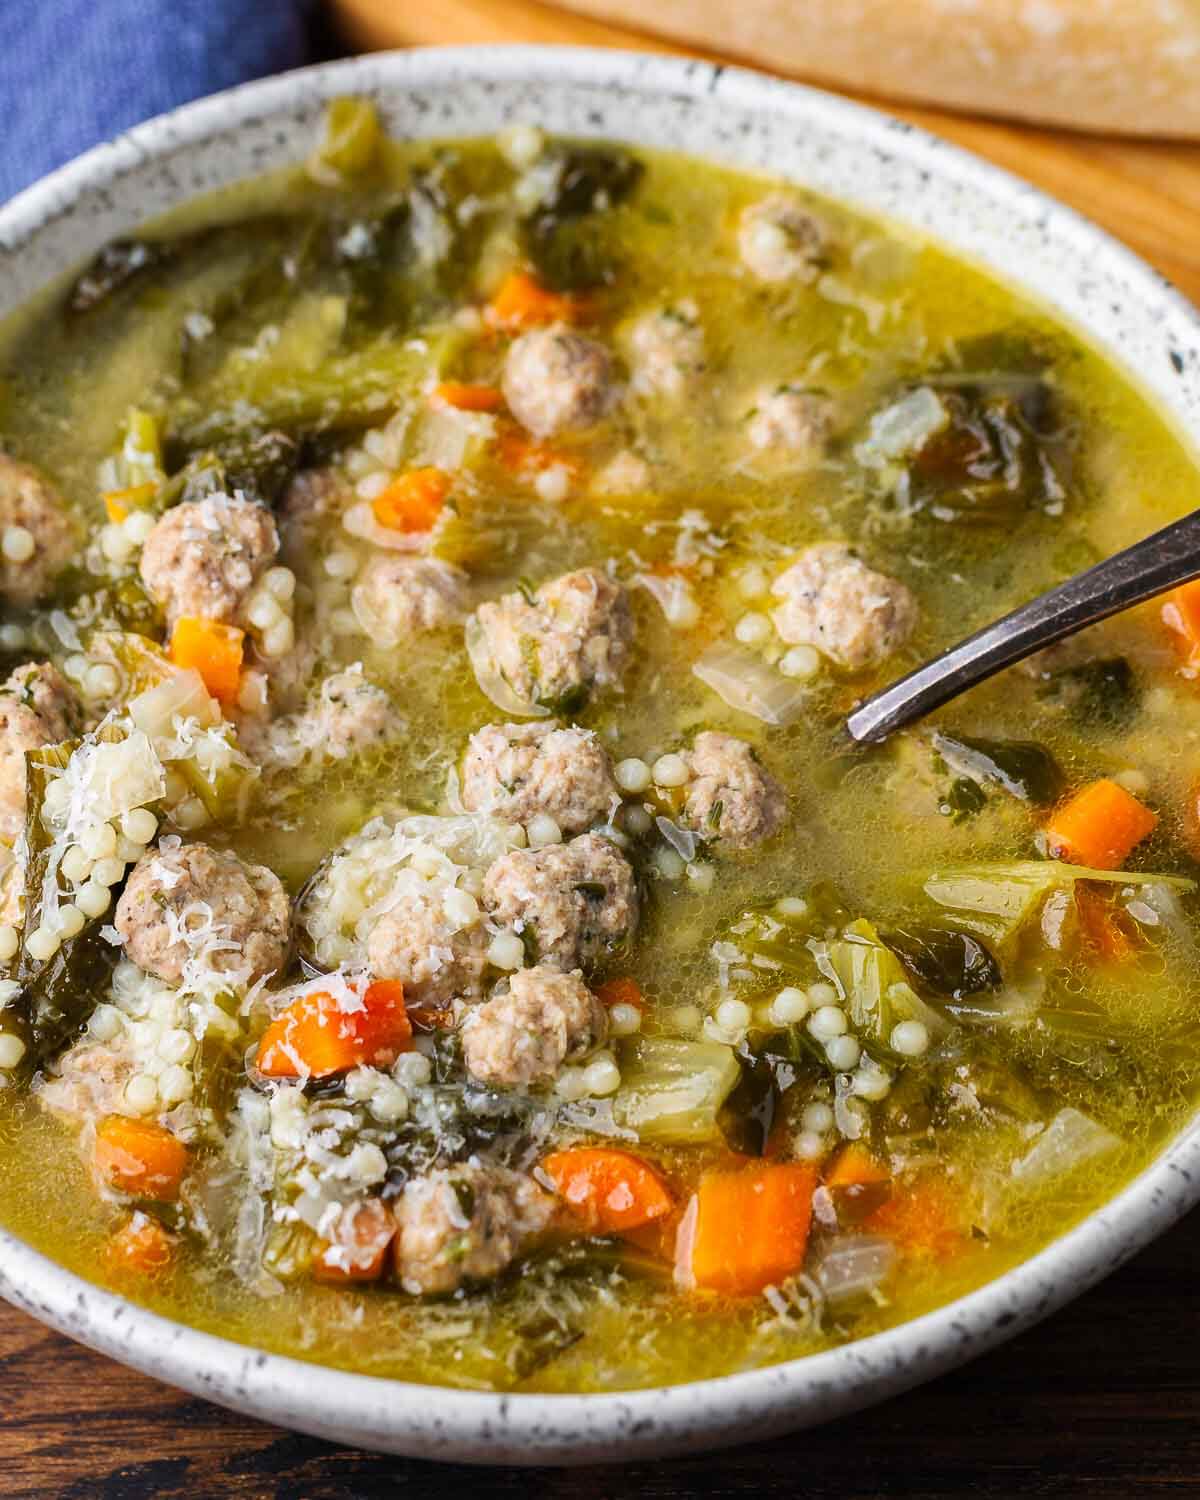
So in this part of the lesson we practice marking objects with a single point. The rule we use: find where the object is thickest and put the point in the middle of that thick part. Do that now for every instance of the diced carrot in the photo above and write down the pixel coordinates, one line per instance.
(212, 649)
(657, 1238)
(622, 991)
(520, 454)
(523, 302)
(1181, 613)
(140, 1158)
(357, 1250)
(315, 1037)
(923, 1218)
(858, 1184)
(1104, 926)
(746, 1229)
(118, 504)
(610, 1191)
(413, 501)
(854, 1166)
(1099, 826)
(464, 397)
(141, 1245)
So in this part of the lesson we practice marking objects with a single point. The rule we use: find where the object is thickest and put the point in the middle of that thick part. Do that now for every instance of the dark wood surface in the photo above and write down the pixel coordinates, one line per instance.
(1102, 1400)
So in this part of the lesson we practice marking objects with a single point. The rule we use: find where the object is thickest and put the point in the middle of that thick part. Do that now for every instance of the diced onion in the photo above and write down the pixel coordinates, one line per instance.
(744, 681)
(854, 1266)
(1070, 1139)
(491, 684)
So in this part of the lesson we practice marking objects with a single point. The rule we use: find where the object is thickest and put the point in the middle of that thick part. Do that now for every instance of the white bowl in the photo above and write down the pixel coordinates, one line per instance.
(874, 163)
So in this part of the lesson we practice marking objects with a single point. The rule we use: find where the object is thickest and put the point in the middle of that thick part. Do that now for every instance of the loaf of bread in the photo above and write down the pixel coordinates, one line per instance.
(1115, 65)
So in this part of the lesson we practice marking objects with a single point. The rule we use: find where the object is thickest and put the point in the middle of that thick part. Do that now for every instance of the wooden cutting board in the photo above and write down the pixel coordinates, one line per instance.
(1146, 193)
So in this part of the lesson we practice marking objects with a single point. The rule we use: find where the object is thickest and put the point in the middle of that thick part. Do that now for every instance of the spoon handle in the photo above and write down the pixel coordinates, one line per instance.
(1157, 563)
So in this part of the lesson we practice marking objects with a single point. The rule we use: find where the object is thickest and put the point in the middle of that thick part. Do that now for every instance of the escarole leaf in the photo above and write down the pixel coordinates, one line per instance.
(997, 900)
(1022, 768)
(873, 985)
(56, 993)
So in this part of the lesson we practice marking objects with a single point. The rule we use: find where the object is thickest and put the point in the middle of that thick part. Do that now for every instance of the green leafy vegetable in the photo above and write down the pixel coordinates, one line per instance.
(947, 962)
(1022, 768)
(1101, 694)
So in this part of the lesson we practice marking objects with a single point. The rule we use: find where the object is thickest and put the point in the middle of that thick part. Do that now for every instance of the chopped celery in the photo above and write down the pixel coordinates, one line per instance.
(672, 1090)
(350, 142)
(136, 469)
(998, 900)
(290, 1251)
(873, 985)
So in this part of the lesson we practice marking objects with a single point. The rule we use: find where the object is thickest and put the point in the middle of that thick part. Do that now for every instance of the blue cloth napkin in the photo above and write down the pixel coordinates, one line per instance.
(76, 72)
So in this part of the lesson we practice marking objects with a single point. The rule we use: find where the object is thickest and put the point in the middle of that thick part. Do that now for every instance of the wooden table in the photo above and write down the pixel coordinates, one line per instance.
(1103, 1400)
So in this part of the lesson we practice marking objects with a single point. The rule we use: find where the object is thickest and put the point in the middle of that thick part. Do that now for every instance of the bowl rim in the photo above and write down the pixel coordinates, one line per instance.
(494, 1427)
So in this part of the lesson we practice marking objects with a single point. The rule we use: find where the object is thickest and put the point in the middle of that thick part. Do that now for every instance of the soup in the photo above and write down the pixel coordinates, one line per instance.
(448, 933)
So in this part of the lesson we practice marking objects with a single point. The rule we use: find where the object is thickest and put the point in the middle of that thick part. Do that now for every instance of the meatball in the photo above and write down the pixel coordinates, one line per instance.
(791, 422)
(42, 537)
(524, 1037)
(730, 796)
(833, 601)
(624, 474)
(309, 500)
(572, 635)
(779, 240)
(465, 1223)
(194, 906)
(515, 771)
(431, 944)
(572, 902)
(36, 709)
(398, 597)
(667, 349)
(350, 714)
(203, 557)
(555, 379)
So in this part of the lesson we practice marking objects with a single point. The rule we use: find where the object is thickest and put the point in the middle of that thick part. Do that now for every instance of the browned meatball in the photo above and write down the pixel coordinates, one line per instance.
(667, 350)
(313, 496)
(203, 557)
(524, 1036)
(436, 950)
(36, 709)
(556, 379)
(348, 715)
(515, 771)
(833, 601)
(731, 798)
(788, 422)
(571, 902)
(779, 240)
(399, 597)
(465, 1223)
(43, 535)
(195, 908)
(573, 635)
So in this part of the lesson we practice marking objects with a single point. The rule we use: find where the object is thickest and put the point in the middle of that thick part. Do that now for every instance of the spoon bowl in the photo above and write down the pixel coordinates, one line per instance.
(1157, 563)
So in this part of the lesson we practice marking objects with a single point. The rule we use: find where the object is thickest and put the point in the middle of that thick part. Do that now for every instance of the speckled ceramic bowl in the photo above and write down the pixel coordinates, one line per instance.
(874, 163)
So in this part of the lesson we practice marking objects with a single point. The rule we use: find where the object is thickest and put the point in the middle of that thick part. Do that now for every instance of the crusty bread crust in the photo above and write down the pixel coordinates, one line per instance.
(1115, 65)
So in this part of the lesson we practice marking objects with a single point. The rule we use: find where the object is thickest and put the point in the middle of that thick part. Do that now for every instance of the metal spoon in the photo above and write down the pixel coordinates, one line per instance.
(1159, 562)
